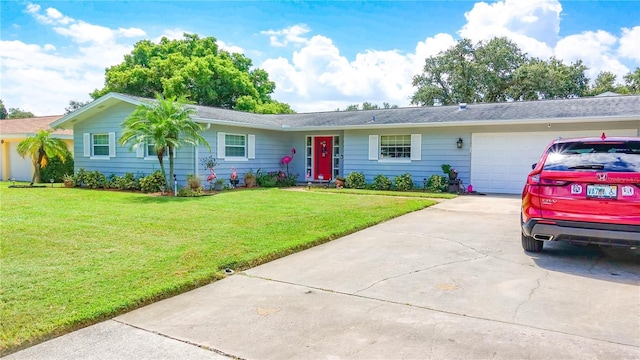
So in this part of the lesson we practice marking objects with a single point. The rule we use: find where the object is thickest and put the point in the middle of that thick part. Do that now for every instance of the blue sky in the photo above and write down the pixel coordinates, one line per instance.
(322, 55)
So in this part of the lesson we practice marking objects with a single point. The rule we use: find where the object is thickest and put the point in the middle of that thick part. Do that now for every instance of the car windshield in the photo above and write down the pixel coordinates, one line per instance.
(615, 156)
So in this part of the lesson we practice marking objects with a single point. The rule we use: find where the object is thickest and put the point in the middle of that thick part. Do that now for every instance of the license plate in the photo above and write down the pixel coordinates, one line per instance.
(602, 191)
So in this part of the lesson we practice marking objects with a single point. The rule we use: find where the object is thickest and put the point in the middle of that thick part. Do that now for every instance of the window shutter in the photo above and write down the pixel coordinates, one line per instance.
(416, 146)
(251, 140)
(86, 142)
(140, 150)
(112, 144)
(221, 144)
(373, 147)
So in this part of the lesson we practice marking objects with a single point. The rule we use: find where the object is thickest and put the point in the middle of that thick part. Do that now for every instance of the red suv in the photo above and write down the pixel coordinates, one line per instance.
(584, 190)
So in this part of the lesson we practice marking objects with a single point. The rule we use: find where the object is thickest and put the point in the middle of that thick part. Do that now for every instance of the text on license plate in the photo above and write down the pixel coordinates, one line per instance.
(602, 191)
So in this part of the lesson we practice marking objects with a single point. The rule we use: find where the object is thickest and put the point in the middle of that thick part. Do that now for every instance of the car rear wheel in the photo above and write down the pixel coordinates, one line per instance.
(530, 244)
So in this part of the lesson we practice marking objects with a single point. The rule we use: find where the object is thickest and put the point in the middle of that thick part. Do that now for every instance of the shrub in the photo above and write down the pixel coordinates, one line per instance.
(381, 182)
(55, 169)
(194, 182)
(127, 182)
(404, 182)
(153, 183)
(276, 178)
(80, 176)
(189, 192)
(437, 183)
(95, 180)
(355, 180)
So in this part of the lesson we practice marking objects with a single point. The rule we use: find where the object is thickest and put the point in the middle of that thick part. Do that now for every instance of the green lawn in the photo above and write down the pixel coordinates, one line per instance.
(73, 257)
(420, 194)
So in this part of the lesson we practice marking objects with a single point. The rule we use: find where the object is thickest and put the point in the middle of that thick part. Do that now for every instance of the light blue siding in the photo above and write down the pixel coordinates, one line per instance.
(125, 159)
(438, 146)
(270, 147)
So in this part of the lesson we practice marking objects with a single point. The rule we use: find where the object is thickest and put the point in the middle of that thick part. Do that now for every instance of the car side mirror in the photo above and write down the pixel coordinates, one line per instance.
(533, 166)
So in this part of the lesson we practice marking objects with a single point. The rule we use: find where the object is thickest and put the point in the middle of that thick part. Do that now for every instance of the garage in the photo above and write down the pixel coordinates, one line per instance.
(500, 162)
(19, 168)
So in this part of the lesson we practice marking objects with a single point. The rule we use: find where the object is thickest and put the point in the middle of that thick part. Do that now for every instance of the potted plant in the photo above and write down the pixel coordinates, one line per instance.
(69, 180)
(340, 182)
(250, 178)
(219, 185)
(451, 172)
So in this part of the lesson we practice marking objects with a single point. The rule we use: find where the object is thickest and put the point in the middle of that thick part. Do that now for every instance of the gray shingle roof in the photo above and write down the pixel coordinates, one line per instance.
(624, 106)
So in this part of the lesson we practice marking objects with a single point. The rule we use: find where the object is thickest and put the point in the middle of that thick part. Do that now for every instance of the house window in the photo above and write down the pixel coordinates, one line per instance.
(151, 151)
(100, 145)
(395, 146)
(235, 145)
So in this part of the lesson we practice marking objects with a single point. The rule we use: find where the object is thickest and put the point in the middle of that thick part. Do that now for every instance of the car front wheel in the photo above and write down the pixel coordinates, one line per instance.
(530, 244)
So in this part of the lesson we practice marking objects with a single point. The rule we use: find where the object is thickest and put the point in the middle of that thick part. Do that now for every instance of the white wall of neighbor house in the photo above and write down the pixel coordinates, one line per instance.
(501, 159)
(19, 168)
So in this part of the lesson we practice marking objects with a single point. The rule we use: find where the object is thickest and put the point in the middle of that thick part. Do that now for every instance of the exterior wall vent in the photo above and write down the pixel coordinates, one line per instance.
(462, 106)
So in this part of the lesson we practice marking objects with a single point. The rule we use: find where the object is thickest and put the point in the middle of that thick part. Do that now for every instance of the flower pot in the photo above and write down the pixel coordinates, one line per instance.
(250, 182)
(453, 176)
(234, 182)
(218, 186)
(339, 183)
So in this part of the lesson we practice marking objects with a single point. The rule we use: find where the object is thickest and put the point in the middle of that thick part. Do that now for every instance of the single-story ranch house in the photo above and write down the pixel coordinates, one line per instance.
(12, 132)
(491, 145)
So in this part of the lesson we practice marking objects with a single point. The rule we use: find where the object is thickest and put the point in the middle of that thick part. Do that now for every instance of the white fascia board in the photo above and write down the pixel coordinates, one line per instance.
(467, 123)
(204, 121)
(26, 135)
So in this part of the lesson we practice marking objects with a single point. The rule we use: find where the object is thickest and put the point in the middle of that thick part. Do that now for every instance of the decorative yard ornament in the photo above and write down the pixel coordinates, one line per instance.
(287, 159)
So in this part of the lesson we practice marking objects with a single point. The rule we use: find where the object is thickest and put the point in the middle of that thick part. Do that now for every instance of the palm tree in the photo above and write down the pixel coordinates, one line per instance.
(41, 147)
(167, 124)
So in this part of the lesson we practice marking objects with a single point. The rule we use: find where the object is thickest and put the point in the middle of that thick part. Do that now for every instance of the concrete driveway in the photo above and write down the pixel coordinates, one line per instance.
(446, 282)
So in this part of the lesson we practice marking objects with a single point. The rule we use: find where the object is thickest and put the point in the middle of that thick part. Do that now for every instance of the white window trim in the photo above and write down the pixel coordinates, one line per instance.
(375, 150)
(249, 148)
(146, 156)
(88, 145)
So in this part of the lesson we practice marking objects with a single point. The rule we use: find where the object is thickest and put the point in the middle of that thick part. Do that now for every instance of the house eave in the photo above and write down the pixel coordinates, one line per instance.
(27, 134)
(206, 121)
(474, 123)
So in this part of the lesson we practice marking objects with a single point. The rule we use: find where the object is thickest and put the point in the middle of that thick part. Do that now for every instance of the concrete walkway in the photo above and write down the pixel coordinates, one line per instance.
(447, 282)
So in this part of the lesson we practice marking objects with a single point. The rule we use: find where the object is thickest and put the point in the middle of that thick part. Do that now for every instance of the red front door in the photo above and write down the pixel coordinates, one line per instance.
(323, 157)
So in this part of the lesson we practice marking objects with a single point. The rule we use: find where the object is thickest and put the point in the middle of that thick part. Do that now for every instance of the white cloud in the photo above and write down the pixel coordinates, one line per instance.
(319, 78)
(292, 34)
(41, 80)
(630, 43)
(532, 24)
(595, 49)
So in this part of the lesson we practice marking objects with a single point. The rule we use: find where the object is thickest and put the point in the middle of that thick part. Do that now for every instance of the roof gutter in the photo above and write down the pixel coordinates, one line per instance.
(464, 123)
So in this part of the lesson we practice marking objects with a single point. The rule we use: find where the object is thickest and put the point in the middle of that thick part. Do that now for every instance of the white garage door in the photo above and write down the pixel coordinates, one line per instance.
(19, 168)
(500, 162)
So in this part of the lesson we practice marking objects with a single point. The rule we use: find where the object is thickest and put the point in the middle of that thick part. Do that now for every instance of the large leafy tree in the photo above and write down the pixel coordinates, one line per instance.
(632, 81)
(40, 148)
(165, 123)
(197, 69)
(494, 71)
(3, 111)
(468, 73)
(17, 113)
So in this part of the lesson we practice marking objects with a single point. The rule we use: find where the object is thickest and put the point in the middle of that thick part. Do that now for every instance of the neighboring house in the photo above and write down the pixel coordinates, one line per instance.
(12, 132)
(491, 145)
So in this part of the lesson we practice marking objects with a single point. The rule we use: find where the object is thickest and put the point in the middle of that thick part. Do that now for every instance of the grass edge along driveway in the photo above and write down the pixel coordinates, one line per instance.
(74, 257)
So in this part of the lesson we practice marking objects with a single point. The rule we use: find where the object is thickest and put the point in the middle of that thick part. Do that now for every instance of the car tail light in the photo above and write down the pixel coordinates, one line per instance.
(553, 182)
(533, 179)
